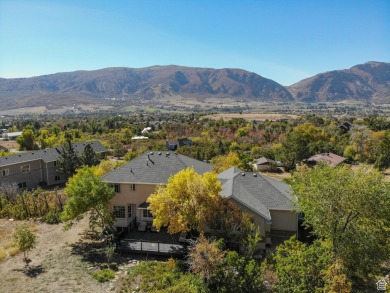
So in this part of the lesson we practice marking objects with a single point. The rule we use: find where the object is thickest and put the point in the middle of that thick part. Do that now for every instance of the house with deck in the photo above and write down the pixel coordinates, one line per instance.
(266, 199)
(38, 168)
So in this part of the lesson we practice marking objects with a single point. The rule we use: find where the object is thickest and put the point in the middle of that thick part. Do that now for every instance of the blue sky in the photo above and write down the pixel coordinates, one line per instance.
(282, 40)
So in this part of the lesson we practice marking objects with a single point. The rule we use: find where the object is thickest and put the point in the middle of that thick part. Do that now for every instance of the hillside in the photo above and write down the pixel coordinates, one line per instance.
(369, 82)
(145, 83)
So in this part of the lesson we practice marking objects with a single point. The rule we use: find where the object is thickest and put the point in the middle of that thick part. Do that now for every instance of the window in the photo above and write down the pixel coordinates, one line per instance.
(132, 187)
(117, 187)
(5, 172)
(25, 169)
(119, 212)
(129, 211)
(22, 185)
(57, 178)
(147, 214)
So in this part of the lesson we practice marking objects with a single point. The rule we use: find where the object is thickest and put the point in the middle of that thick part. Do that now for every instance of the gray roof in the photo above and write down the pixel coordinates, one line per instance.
(154, 168)
(48, 155)
(264, 160)
(255, 191)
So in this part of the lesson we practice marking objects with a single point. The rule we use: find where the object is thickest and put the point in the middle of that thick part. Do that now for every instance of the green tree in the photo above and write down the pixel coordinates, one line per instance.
(25, 240)
(184, 203)
(302, 268)
(89, 157)
(68, 160)
(86, 192)
(350, 210)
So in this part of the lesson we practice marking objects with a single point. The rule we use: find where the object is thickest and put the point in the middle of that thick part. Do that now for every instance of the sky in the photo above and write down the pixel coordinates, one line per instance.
(283, 40)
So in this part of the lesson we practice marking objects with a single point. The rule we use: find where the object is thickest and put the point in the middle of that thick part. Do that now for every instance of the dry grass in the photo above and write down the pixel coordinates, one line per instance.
(3, 254)
(252, 116)
(12, 251)
(9, 243)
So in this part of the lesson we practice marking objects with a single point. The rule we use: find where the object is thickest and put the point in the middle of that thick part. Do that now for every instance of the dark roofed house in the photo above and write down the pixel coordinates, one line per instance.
(268, 200)
(327, 158)
(33, 168)
(139, 178)
(174, 145)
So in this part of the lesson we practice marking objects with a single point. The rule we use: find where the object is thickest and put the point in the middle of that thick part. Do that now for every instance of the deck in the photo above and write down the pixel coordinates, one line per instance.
(161, 243)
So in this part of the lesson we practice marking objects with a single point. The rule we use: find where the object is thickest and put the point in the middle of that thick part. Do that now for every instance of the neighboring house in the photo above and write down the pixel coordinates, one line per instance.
(138, 179)
(34, 168)
(268, 200)
(345, 127)
(174, 145)
(327, 158)
(11, 135)
(146, 130)
(265, 164)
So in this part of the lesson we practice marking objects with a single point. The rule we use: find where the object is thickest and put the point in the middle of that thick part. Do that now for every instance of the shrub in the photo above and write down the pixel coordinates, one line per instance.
(104, 275)
(3, 254)
(52, 217)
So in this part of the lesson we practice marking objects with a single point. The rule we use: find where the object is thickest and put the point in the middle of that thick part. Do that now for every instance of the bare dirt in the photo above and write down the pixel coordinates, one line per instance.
(62, 261)
(252, 116)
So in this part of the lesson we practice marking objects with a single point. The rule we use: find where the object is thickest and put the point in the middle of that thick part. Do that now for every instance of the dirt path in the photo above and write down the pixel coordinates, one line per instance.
(58, 261)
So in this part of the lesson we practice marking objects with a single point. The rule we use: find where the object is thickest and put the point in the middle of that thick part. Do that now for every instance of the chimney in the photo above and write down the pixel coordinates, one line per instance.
(242, 174)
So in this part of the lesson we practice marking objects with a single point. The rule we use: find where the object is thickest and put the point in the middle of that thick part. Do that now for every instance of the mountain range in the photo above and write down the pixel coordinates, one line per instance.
(369, 82)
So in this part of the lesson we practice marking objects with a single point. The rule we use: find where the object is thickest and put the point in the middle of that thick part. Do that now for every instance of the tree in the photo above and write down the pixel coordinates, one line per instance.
(86, 192)
(89, 157)
(206, 259)
(350, 210)
(68, 160)
(183, 204)
(222, 163)
(27, 141)
(25, 239)
(302, 268)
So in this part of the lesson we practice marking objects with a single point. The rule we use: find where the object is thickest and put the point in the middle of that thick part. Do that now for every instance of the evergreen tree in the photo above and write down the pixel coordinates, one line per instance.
(68, 161)
(89, 157)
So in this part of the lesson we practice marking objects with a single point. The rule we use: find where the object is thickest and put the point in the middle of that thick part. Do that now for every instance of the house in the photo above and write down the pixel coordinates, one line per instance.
(327, 158)
(345, 127)
(265, 164)
(174, 145)
(34, 168)
(139, 178)
(146, 130)
(11, 135)
(267, 199)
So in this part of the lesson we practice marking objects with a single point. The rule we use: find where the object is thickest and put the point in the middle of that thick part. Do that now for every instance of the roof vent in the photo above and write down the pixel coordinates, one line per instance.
(167, 154)
(242, 174)
(20, 156)
(159, 153)
(131, 170)
(151, 153)
(254, 175)
(147, 162)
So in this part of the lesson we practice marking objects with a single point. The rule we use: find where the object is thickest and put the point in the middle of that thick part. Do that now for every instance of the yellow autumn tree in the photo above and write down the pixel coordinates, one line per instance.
(222, 163)
(182, 205)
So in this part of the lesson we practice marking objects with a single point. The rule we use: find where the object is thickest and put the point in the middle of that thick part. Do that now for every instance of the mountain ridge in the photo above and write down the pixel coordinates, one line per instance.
(368, 82)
